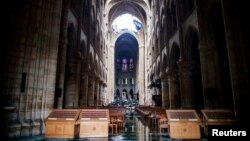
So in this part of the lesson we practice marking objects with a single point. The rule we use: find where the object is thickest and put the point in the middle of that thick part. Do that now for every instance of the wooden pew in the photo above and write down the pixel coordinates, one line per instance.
(94, 123)
(151, 116)
(145, 112)
(219, 117)
(162, 123)
(62, 123)
(183, 124)
(117, 118)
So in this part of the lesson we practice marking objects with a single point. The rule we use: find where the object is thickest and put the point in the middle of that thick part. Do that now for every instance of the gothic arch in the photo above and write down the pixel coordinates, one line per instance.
(190, 35)
(152, 76)
(158, 66)
(131, 92)
(124, 32)
(136, 8)
(154, 69)
(164, 59)
(174, 56)
(83, 50)
(157, 36)
(97, 65)
(91, 58)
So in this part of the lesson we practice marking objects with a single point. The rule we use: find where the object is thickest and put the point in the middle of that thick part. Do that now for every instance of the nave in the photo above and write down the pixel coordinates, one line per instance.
(72, 54)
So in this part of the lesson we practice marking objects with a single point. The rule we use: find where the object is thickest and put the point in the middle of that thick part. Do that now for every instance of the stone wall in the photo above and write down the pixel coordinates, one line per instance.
(30, 66)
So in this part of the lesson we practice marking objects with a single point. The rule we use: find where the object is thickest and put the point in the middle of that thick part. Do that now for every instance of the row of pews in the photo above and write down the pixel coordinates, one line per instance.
(86, 122)
(186, 124)
(117, 119)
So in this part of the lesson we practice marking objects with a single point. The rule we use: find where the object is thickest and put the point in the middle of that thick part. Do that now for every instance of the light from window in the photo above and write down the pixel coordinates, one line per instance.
(124, 65)
(126, 22)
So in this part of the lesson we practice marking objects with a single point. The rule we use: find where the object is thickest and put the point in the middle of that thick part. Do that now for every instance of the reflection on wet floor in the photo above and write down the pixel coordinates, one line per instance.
(138, 129)
(134, 129)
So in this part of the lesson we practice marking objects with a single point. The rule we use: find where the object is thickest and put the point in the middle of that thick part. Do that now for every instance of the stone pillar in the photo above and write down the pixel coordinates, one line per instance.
(174, 94)
(61, 60)
(60, 75)
(97, 92)
(164, 90)
(152, 92)
(209, 72)
(104, 95)
(71, 90)
(91, 91)
(186, 85)
(237, 35)
(84, 90)
(101, 98)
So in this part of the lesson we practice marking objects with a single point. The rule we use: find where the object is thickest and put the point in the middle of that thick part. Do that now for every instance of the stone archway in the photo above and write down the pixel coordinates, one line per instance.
(117, 94)
(124, 95)
(131, 94)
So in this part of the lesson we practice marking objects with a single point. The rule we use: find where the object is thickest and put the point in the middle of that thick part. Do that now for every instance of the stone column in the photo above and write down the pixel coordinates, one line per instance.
(104, 95)
(101, 98)
(164, 90)
(84, 90)
(61, 60)
(209, 72)
(91, 91)
(96, 94)
(71, 90)
(60, 75)
(237, 35)
(186, 85)
(173, 90)
(152, 92)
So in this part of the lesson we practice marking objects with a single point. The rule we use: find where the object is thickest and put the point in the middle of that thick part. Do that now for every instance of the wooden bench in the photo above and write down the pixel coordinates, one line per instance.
(162, 123)
(183, 124)
(94, 123)
(62, 123)
(117, 116)
(219, 117)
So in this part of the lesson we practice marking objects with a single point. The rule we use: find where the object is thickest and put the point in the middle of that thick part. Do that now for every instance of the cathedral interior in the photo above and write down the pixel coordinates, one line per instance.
(72, 54)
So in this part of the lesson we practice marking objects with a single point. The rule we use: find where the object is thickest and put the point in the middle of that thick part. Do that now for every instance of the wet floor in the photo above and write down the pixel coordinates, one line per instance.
(135, 129)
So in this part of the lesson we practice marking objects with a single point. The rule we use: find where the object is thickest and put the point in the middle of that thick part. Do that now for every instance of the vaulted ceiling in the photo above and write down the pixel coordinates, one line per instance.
(138, 8)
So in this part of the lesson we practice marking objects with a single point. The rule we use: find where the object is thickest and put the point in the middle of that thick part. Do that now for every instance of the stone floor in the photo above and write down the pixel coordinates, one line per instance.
(134, 130)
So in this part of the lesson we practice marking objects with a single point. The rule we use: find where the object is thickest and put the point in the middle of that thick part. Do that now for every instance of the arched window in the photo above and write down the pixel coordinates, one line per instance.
(117, 64)
(130, 81)
(131, 64)
(123, 81)
(124, 65)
